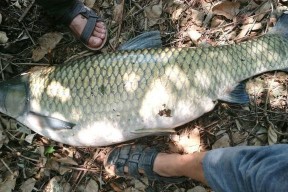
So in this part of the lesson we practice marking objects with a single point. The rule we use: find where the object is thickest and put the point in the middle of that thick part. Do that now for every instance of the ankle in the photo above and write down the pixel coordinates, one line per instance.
(168, 165)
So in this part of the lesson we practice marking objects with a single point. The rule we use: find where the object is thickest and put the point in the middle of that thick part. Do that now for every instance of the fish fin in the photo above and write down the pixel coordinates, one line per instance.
(281, 25)
(151, 39)
(51, 122)
(238, 95)
(155, 130)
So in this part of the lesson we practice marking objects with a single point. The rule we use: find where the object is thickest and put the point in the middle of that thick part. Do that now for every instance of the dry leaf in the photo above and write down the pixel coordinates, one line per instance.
(227, 9)
(197, 189)
(176, 13)
(262, 11)
(38, 53)
(67, 160)
(187, 141)
(29, 138)
(224, 141)
(8, 184)
(92, 186)
(3, 37)
(153, 13)
(28, 185)
(194, 35)
(50, 40)
(118, 11)
(249, 27)
(90, 3)
(46, 43)
(0, 18)
(53, 185)
(3, 138)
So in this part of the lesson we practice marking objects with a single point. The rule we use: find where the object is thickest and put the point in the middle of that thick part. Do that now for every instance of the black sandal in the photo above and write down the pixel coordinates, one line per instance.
(136, 157)
(92, 19)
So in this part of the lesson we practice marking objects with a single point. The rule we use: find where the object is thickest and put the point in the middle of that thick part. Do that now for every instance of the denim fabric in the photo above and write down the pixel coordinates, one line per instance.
(247, 169)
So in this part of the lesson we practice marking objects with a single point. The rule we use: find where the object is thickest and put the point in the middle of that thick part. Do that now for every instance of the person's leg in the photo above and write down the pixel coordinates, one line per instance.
(227, 169)
(190, 165)
(57, 9)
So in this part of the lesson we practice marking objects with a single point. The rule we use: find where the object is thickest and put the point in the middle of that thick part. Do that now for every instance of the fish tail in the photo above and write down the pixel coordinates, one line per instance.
(281, 26)
(13, 97)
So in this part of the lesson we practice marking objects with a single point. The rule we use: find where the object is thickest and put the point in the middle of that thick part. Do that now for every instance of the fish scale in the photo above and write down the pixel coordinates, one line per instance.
(115, 97)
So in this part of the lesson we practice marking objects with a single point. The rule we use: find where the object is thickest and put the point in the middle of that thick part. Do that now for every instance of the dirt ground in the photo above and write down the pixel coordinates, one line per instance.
(30, 162)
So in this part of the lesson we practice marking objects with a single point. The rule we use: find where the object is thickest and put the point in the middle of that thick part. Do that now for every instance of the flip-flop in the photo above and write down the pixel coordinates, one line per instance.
(92, 19)
(136, 158)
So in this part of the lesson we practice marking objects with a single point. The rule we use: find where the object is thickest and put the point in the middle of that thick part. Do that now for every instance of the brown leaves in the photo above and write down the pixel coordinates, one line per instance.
(46, 43)
(227, 9)
(153, 13)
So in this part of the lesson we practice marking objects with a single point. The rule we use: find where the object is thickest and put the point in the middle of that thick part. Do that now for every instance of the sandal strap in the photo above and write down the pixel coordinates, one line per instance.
(79, 8)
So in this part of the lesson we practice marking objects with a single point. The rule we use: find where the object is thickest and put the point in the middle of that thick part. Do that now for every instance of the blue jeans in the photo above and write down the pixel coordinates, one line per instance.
(246, 169)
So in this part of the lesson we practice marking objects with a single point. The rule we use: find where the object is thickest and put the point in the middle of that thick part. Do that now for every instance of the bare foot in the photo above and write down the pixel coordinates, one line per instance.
(98, 36)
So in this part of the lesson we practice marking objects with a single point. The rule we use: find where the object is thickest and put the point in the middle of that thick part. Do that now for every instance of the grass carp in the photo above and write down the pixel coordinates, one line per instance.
(115, 97)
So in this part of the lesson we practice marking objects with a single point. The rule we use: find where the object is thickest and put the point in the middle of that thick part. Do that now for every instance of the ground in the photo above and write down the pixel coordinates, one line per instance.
(30, 162)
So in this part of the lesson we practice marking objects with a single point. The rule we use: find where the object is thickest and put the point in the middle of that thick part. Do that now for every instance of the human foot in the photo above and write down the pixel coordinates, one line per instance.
(85, 25)
(134, 161)
(98, 36)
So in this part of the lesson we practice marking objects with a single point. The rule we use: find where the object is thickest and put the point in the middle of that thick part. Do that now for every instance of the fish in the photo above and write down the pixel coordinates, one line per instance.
(115, 97)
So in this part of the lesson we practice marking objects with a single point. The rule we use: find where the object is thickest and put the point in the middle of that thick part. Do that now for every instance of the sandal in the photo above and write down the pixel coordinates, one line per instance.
(92, 19)
(136, 158)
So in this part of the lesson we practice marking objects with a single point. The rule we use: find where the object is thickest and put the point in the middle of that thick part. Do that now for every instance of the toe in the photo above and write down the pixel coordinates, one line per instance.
(95, 42)
(99, 35)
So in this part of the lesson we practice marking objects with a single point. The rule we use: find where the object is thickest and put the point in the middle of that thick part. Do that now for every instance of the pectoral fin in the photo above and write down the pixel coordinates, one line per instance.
(50, 122)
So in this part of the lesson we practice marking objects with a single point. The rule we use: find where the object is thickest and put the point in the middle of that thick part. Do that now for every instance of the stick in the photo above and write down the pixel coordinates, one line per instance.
(26, 11)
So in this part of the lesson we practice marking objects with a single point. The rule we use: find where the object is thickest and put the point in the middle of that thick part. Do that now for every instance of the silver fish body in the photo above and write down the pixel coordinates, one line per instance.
(111, 98)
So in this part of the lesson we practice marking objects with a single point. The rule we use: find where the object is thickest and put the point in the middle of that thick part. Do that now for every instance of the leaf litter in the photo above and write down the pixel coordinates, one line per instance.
(30, 162)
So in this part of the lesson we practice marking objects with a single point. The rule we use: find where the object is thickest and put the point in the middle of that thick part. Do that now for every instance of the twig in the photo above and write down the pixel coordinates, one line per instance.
(26, 11)
(3, 77)
(7, 166)
(27, 32)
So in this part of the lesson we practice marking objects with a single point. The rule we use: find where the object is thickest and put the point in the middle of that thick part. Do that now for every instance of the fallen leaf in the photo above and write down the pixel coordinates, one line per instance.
(28, 185)
(50, 40)
(0, 18)
(194, 35)
(263, 10)
(224, 141)
(187, 141)
(118, 11)
(3, 37)
(90, 3)
(92, 186)
(197, 189)
(3, 138)
(53, 185)
(8, 184)
(29, 138)
(227, 9)
(46, 43)
(38, 53)
(153, 13)
(176, 13)
(67, 160)
(141, 185)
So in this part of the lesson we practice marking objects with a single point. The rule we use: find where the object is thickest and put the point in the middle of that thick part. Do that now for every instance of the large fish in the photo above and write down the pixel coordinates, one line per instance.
(115, 97)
